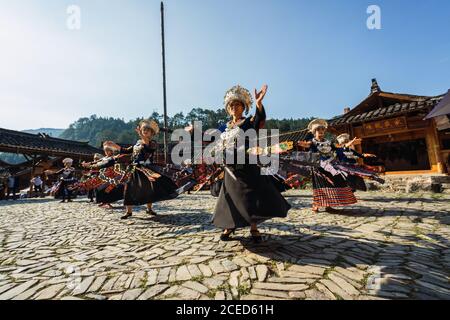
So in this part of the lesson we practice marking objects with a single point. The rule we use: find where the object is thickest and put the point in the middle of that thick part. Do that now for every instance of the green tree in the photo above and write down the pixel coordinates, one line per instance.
(98, 129)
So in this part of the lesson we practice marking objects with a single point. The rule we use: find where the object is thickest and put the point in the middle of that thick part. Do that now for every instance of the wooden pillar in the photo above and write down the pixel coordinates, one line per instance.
(354, 134)
(434, 149)
(437, 147)
(32, 174)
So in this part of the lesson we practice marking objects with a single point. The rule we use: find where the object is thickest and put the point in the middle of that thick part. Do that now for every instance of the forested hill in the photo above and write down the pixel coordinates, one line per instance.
(97, 129)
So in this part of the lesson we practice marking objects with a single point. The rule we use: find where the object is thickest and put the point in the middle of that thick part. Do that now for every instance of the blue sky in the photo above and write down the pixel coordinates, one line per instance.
(316, 56)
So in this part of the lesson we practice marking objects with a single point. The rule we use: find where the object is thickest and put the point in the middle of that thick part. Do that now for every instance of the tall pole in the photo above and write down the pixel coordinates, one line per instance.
(166, 147)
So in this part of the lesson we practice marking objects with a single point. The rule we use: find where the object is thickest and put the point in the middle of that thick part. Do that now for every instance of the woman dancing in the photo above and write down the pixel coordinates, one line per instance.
(330, 188)
(66, 181)
(142, 184)
(107, 185)
(348, 159)
(92, 174)
(246, 197)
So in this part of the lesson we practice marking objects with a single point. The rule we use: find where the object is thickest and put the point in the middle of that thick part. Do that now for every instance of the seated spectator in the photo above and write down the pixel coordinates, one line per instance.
(37, 184)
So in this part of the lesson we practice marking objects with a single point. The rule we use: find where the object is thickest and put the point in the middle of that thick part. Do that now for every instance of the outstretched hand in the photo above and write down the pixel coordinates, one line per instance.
(49, 172)
(112, 145)
(304, 144)
(354, 142)
(259, 96)
(369, 155)
(189, 128)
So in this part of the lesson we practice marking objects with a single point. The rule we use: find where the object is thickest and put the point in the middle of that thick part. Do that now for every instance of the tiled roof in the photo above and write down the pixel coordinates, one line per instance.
(298, 135)
(20, 142)
(294, 135)
(386, 112)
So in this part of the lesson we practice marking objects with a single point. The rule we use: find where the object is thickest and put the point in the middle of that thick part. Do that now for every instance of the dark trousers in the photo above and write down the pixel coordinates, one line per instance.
(91, 195)
(66, 193)
(38, 189)
(13, 191)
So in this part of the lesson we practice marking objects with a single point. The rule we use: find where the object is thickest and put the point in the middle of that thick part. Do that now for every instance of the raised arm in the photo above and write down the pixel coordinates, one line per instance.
(104, 163)
(87, 165)
(307, 142)
(128, 150)
(60, 171)
(357, 154)
(259, 119)
(354, 142)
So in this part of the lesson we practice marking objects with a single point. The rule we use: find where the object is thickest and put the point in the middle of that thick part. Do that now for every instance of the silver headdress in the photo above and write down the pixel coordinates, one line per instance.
(343, 138)
(67, 160)
(317, 123)
(150, 124)
(240, 94)
(154, 127)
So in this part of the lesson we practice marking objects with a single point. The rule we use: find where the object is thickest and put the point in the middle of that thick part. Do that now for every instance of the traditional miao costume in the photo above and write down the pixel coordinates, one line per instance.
(108, 183)
(89, 176)
(67, 182)
(330, 188)
(349, 157)
(246, 196)
(143, 185)
(348, 161)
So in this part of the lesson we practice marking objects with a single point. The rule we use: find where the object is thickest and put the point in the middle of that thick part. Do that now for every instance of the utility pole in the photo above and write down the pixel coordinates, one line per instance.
(166, 143)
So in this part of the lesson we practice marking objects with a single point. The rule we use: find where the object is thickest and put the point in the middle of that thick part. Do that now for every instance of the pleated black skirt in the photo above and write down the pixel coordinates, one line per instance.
(116, 194)
(65, 188)
(250, 198)
(215, 188)
(356, 183)
(141, 190)
(278, 183)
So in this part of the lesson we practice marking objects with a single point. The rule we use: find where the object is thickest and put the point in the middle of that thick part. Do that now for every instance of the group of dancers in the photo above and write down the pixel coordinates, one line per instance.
(245, 196)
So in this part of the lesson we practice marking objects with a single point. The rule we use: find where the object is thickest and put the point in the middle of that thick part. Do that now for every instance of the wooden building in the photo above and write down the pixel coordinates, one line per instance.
(393, 126)
(41, 152)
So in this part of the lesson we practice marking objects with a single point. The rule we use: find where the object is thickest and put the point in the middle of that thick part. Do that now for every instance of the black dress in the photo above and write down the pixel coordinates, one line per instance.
(109, 196)
(111, 190)
(246, 196)
(350, 156)
(330, 188)
(144, 185)
(215, 188)
(66, 183)
(92, 192)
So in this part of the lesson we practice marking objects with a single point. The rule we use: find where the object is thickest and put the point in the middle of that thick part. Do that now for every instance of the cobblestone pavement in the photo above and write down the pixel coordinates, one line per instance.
(388, 246)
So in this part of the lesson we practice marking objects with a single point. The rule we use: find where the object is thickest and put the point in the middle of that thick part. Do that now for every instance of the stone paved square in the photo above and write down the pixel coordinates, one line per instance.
(388, 246)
